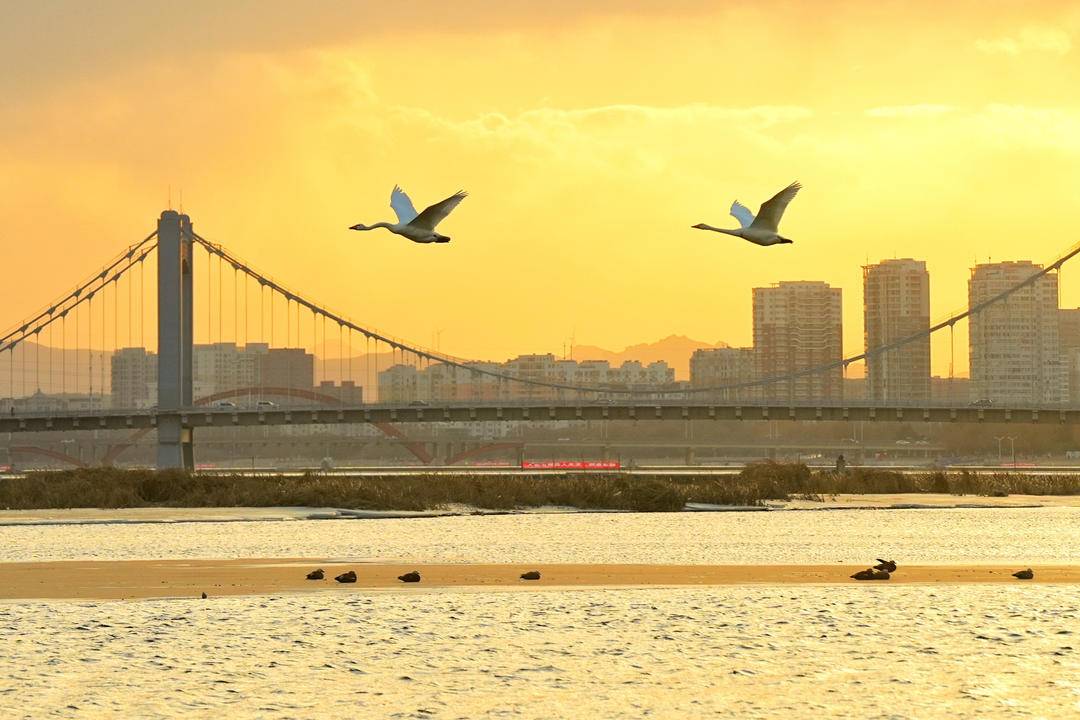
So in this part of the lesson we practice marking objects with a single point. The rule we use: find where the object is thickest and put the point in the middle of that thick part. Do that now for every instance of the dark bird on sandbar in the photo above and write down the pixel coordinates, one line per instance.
(1024, 574)
(204, 596)
(886, 565)
(410, 577)
(316, 574)
(346, 577)
(531, 575)
(871, 574)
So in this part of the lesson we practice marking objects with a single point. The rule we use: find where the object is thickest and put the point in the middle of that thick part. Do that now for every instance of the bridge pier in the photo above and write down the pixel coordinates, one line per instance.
(175, 338)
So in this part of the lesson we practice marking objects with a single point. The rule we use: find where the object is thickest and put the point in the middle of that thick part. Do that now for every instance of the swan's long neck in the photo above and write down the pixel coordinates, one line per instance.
(376, 226)
(736, 233)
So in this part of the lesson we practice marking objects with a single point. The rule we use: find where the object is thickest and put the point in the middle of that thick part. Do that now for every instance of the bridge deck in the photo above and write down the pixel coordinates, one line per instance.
(457, 413)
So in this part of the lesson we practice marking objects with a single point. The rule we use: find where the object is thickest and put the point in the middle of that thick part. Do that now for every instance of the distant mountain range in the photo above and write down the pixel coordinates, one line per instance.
(675, 350)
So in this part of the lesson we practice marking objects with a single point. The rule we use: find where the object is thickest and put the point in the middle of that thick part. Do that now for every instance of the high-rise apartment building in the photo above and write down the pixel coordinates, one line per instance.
(1014, 344)
(798, 325)
(1069, 339)
(222, 367)
(285, 367)
(896, 305)
(133, 372)
(720, 367)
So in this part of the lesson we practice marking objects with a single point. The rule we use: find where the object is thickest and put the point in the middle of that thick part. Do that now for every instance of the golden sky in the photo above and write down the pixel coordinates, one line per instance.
(590, 139)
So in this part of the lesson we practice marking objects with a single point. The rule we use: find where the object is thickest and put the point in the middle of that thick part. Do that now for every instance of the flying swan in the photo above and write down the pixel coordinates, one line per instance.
(420, 228)
(763, 229)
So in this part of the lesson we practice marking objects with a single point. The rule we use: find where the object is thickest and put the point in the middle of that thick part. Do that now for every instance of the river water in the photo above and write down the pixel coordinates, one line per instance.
(879, 651)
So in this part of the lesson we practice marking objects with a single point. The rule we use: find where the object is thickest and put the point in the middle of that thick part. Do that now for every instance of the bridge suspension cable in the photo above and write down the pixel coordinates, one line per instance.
(79, 301)
(49, 314)
(431, 356)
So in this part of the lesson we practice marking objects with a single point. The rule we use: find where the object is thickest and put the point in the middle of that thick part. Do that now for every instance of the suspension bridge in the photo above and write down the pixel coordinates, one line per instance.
(66, 348)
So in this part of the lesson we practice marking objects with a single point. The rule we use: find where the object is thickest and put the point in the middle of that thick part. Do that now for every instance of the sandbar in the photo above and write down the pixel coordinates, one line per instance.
(139, 579)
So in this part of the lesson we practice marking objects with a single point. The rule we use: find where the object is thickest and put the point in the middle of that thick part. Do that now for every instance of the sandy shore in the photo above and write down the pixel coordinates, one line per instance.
(135, 579)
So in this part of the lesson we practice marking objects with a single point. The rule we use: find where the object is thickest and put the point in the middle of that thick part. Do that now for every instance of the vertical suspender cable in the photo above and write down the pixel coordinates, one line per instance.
(220, 298)
(262, 330)
(292, 329)
(142, 301)
(104, 307)
(90, 345)
(130, 282)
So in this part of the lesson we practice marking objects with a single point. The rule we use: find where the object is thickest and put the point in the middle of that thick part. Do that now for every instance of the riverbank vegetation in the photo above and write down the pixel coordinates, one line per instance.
(757, 483)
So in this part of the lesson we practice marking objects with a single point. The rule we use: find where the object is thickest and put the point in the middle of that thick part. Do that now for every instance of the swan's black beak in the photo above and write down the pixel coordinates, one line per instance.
(699, 226)
(785, 241)
(356, 227)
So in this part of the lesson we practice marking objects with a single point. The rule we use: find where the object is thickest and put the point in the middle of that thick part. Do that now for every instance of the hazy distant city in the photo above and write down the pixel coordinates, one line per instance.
(1025, 350)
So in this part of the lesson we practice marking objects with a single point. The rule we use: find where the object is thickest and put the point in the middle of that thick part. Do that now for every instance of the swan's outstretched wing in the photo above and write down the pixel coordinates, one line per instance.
(742, 213)
(768, 217)
(435, 214)
(402, 205)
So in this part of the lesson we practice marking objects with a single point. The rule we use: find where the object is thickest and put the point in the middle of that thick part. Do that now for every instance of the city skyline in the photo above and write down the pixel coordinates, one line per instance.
(212, 327)
(1032, 354)
(882, 322)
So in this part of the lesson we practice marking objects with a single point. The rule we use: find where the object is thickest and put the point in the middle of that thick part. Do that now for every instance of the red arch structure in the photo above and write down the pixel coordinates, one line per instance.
(418, 449)
(45, 452)
(114, 451)
(273, 392)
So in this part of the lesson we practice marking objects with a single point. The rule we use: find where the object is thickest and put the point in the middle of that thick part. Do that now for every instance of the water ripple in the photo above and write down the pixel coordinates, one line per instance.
(902, 651)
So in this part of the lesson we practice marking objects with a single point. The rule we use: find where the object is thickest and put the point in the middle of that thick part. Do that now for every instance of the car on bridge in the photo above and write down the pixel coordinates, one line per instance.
(225, 404)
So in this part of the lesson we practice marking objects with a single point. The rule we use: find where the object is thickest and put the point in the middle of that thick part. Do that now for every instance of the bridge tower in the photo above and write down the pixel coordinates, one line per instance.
(175, 340)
